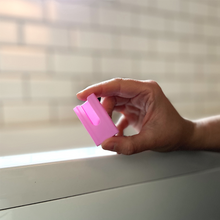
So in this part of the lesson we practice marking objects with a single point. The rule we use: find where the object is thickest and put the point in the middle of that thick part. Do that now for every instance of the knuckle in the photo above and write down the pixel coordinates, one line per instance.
(155, 87)
(154, 84)
(130, 149)
(117, 79)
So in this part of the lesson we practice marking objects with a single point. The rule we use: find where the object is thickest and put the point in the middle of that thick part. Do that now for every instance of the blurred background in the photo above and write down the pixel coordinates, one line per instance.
(51, 49)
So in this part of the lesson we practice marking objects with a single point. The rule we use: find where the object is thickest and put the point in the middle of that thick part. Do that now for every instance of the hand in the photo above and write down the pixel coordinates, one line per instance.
(144, 106)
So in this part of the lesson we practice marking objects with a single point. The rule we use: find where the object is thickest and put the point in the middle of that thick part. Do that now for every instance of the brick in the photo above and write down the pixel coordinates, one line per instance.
(213, 10)
(71, 63)
(198, 8)
(212, 49)
(22, 59)
(134, 43)
(213, 90)
(10, 88)
(197, 48)
(152, 23)
(91, 39)
(198, 88)
(23, 113)
(184, 47)
(22, 8)
(186, 110)
(200, 111)
(151, 68)
(116, 67)
(211, 30)
(172, 90)
(184, 27)
(185, 68)
(65, 112)
(50, 88)
(171, 5)
(8, 32)
(212, 108)
(114, 18)
(65, 12)
(1, 116)
(168, 46)
(49, 36)
(211, 68)
(136, 3)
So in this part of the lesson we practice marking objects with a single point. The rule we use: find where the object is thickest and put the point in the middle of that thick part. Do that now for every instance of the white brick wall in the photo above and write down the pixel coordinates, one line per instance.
(22, 8)
(22, 59)
(211, 30)
(199, 48)
(184, 68)
(97, 40)
(26, 113)
(67, 12)
(211, 69)
(152, 22)
(65, 112)
(8, 32)
(134, 43)
(50, 49)
(48, 87)
(115, 18)
(170, 5)
(73, 64)
(45, 36)
(136, 3)
(184, 27)
(150, 68)
(116, 67)
(168, 46)
(198, 8)
(171, 89)
(211, 108)
(10, 88)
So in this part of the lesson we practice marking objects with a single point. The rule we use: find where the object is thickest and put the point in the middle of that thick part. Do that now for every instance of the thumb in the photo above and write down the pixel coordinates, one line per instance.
(127, 145)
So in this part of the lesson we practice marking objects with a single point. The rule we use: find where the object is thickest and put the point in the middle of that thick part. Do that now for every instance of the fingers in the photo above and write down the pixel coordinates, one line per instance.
(121, 125)
(111, 103)
(127, 145)
(127, 88)
(108, 103)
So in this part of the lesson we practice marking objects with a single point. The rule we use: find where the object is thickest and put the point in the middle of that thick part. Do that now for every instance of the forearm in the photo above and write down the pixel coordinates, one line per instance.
(205, 134)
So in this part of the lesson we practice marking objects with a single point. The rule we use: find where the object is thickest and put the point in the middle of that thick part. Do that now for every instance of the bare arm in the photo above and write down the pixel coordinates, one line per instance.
(206, 134)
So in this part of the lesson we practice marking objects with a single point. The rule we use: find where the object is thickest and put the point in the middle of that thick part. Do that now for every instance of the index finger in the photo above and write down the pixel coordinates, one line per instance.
(127, 88)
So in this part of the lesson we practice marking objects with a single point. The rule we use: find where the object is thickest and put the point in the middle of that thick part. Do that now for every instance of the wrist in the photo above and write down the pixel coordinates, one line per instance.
(189, 135)
(194, 135)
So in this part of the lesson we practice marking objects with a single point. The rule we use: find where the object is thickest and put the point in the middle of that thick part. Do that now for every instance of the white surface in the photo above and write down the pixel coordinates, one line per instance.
(26, 185)
(195, 196)
(52, 156)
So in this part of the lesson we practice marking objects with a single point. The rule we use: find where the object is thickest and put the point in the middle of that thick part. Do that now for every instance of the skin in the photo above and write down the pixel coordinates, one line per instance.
(160, 127)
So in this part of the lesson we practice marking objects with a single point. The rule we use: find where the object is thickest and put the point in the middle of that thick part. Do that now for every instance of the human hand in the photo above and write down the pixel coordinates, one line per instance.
(144, 106)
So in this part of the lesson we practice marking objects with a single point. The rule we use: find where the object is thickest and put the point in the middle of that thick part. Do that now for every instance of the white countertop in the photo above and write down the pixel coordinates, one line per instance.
(32, 184)
(103, 184)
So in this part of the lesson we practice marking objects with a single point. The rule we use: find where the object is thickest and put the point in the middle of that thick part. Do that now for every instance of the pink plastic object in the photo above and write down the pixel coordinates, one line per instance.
(96, 120)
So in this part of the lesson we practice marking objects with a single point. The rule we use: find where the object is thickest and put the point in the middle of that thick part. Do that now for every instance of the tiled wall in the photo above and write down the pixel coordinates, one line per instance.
(51, 49)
